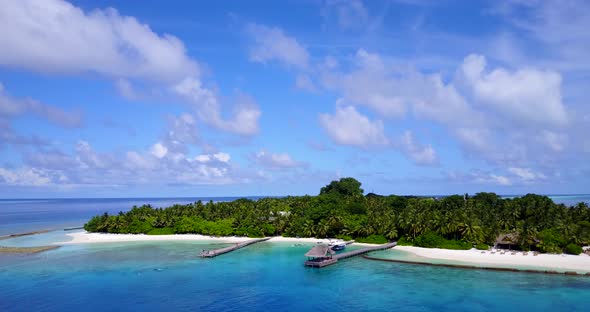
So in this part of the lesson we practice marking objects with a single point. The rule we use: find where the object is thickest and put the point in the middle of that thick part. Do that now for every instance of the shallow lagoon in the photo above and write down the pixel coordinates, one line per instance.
(268, 276)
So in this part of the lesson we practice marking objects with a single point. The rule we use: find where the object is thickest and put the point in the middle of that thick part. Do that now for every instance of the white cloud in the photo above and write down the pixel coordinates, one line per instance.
(503, 116)
(222, 157)
(159, 150)
(180, 132)
(420, 154)
(276, 160)
(56, 36)
(479, 177)
(24, 177)
(86, 167)
(525, 94)
(527, 174)
(244, 119)
(370, 84)
(349, 127)
(203, 158)
(272, 44)
(500, 180)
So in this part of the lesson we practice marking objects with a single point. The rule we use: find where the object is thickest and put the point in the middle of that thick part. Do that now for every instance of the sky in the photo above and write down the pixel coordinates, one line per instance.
(241, 98)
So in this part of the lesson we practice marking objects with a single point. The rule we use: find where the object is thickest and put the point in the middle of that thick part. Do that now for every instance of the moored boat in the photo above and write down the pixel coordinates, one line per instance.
(337, 245)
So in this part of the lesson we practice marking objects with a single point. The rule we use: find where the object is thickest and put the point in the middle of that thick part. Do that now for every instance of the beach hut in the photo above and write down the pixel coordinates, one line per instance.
(507, 241)
(319, 256)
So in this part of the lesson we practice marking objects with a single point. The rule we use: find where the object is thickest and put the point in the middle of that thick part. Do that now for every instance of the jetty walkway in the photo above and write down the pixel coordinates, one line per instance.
(224, 250)
(322, 261)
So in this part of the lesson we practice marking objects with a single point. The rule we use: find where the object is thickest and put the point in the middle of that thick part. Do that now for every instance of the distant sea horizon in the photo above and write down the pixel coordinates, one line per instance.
(18, 215)
(203, 198)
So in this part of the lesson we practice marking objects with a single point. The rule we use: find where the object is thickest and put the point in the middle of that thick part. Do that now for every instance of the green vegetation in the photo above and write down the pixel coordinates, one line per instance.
(573, 249)
(433, 240)
(482, 247)
(341, 210)
(161, 231)
(372, 239)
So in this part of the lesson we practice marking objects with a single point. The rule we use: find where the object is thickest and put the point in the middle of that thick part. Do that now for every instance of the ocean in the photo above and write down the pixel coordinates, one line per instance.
(156, 276)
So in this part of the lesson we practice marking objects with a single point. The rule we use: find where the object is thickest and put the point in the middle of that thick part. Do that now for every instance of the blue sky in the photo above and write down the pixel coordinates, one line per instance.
(233, 98)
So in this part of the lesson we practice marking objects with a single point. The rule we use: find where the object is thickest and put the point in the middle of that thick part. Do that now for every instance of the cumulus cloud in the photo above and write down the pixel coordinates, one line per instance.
(479, 177)
(272, 44)
(58, 37)
(159, 150)
(526, 94)
(369, 83)
(87, 167)
(504, 116)
(420, 154)
(349, 127)
(270, 160)
(24, 177)
(180, 132)
(527, 174)
(245, 115)
(65, 39)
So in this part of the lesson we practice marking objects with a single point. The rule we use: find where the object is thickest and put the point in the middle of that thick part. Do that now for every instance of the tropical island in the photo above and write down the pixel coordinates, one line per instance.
(341, 210)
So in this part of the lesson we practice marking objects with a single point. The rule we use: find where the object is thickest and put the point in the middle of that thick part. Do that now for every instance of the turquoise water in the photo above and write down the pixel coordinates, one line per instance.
(156, 276)
(267, 276)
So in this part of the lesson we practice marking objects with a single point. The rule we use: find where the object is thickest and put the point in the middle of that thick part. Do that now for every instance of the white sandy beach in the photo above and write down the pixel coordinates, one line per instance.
(562, 262)
(86, 238)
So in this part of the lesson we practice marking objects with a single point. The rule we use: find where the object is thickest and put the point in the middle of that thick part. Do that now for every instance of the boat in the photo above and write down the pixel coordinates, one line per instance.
(337, 245)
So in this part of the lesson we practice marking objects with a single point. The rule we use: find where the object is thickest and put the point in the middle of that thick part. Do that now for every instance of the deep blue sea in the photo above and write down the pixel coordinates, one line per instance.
(158, 276)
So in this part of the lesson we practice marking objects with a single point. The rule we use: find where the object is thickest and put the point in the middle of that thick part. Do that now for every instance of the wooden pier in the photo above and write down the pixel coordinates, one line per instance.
(224, 250)
(325, 260)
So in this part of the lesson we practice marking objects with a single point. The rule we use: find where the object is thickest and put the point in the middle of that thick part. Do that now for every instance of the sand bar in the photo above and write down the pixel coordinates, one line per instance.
(26, 250)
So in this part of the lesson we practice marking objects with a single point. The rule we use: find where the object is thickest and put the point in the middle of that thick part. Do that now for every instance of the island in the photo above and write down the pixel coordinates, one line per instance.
(341, 210)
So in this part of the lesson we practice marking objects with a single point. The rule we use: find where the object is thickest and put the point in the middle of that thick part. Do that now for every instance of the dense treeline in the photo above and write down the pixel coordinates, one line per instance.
(341, 210)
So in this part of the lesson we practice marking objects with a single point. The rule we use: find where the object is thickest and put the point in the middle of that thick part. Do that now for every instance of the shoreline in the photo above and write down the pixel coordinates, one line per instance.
(473, 258)
(477, 267)
(544, 263)
(90, 238)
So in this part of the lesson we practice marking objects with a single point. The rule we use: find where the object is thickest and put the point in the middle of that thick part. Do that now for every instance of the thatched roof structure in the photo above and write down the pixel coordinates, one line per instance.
(511, 239)
(507, 239)
(319, 251)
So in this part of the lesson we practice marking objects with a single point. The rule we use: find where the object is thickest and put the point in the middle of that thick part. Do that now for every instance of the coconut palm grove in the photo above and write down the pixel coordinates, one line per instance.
(342, 210)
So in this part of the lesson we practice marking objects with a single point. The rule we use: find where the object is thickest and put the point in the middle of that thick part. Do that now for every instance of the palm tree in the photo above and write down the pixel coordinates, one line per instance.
(308, 228)
(322, 228)
(391, 234)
